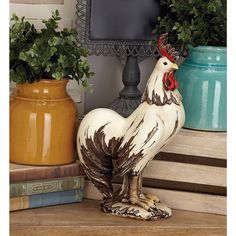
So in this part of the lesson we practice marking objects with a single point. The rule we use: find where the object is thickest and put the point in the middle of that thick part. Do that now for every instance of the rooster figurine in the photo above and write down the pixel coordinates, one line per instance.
(110, 145)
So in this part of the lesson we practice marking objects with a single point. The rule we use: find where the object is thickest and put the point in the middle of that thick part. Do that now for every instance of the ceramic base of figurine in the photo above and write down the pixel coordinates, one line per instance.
(130, 210)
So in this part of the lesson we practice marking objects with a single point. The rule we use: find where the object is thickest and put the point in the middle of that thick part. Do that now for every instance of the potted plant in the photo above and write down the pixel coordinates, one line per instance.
(199, 28)
(42, 114)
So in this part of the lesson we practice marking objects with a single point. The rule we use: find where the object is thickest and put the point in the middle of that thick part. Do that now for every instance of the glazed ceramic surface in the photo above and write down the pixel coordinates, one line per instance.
(133, 142)
(42, 124)
(202, 83)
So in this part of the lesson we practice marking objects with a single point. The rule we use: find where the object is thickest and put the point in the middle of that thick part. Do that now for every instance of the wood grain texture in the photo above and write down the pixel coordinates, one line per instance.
(180, 186)
(38, 1)
(182, 200)
(189, 173)
(85, 219)
(198, 143)
(191, 159)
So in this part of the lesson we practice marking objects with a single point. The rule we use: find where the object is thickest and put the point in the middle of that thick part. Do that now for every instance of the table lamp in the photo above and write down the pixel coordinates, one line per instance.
(120, 28)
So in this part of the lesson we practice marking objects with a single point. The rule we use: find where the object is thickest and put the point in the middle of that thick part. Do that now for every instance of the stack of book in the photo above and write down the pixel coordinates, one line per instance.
(38, 186)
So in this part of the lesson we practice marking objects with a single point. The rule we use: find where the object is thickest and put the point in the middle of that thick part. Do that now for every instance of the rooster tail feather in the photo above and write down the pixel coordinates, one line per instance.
(96, 159)
(100, 173)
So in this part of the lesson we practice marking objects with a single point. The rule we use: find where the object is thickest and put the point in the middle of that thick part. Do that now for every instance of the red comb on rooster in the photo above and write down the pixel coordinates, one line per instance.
(166, 50)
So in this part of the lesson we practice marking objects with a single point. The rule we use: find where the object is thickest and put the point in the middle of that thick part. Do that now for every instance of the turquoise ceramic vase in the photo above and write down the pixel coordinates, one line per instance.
(202, 83)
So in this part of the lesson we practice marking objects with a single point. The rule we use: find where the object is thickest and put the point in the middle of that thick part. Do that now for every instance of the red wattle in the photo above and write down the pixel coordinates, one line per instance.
(169, 82)
(176, 84)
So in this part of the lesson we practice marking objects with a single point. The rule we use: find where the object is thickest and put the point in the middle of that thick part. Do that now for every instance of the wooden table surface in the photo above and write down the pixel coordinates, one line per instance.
(86, 219)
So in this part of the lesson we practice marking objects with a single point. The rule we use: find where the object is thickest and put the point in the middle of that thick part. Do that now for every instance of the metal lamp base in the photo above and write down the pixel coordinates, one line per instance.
(129, 97)
(124, 106)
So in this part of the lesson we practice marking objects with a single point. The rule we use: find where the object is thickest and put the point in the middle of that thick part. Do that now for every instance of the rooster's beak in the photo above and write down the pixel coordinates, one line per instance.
(174, 66)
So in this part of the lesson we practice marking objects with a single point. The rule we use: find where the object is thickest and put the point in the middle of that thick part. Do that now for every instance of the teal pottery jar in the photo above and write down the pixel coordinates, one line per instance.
(202, 83)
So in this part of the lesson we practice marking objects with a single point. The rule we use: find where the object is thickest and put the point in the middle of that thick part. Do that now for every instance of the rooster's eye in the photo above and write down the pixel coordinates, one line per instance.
(165, 63)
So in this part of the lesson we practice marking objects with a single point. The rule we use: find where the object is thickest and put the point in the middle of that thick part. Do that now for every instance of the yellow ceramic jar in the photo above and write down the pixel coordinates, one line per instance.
(42, 124)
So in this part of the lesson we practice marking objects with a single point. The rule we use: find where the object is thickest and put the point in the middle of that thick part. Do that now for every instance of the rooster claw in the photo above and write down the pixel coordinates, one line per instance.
(151, 209)
(151, 197)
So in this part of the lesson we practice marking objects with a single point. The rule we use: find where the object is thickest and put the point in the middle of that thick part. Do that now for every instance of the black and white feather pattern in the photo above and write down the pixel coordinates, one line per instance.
(132, 142)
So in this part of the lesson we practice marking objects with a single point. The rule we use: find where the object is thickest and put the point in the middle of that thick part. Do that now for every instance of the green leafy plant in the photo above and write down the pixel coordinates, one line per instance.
(195, 22)
(46, 54)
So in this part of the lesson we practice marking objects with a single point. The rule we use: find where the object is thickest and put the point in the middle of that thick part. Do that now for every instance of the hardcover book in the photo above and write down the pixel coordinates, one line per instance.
(21, 173)
(46, 185)
(46, 199)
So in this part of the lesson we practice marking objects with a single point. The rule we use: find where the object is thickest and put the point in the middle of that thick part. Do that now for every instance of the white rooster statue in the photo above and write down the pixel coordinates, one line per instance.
(110, 145)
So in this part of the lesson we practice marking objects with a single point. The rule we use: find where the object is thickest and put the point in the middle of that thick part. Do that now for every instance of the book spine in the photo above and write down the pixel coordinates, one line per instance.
(45, 199)
(46, 186)
(46, 172)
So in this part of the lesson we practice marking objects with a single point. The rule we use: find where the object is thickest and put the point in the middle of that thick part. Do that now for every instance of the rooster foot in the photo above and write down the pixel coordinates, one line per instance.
(143, 202)
(151, 204)
(130, 201)
(151, 197)
(124, 197)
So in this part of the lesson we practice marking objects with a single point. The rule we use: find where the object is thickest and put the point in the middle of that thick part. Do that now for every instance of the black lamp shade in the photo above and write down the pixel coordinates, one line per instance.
(123, 19)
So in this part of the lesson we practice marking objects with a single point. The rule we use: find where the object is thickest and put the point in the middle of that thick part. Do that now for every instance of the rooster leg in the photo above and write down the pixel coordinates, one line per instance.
(151, 197)
(123, 193)
(129, 201)
(136, 197)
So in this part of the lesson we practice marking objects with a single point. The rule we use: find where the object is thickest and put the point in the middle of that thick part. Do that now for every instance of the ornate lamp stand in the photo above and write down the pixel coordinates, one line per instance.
(116, 40)
(130, 96)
